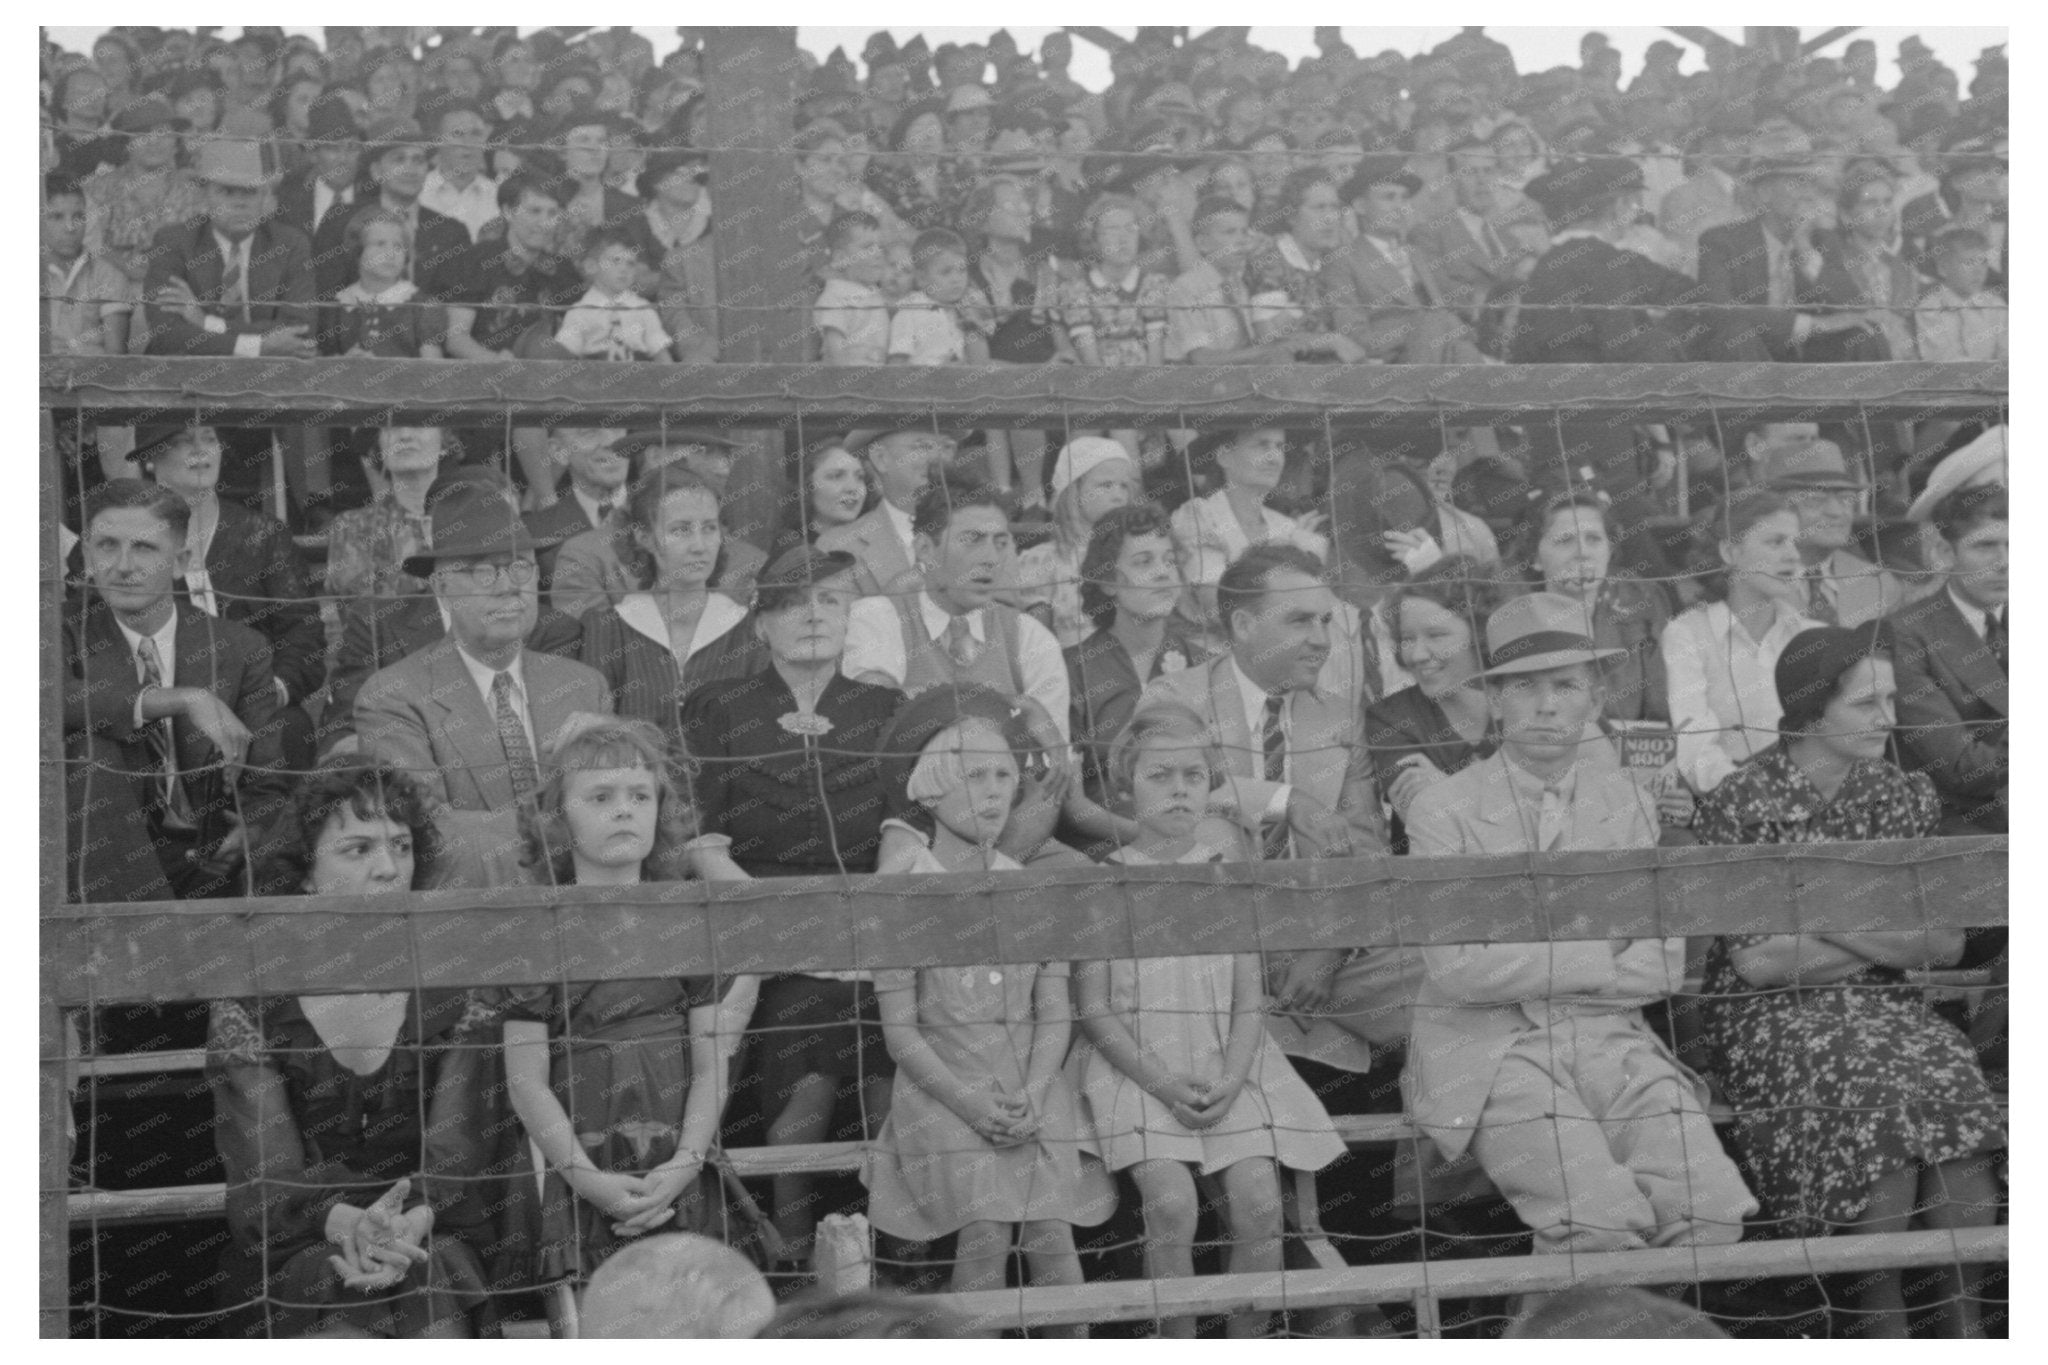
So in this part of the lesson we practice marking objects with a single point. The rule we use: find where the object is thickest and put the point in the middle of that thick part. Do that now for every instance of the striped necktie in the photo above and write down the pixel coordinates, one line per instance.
(1273, 741)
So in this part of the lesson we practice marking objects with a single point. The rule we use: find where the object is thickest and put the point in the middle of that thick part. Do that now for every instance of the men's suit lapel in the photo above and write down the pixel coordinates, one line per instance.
(1967, 656)
(1316, 751)
(471, 729)
(1241, 752)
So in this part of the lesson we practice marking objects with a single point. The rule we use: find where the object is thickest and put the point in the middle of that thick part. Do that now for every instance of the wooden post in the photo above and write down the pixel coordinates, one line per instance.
(764, 285)
(53, 1096)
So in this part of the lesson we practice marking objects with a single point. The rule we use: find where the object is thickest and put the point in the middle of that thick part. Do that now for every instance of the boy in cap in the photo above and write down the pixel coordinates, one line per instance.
(1535, 1057)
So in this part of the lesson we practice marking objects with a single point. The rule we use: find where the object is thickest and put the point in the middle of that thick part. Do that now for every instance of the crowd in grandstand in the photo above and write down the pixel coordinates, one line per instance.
(579, 655)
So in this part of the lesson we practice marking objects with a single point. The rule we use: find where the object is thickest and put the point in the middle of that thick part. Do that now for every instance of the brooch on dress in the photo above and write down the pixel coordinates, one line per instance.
(805, 723)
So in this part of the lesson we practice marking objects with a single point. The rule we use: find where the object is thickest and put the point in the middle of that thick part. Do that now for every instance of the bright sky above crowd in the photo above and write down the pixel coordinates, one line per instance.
(1534, 48)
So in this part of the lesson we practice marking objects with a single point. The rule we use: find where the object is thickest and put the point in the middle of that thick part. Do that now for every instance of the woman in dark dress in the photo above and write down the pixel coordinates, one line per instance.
(789, 781)
(675, 633)
(350, 1126)
(1130, 584)
(621, 1084)
(1422, 734)
(1858, 1109)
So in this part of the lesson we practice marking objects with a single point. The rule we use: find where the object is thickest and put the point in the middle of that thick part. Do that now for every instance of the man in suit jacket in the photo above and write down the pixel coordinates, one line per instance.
(231, 284)
(327, 187)
(1525, 1053)
(1949, 652)
(1759, 269)
(377, 632)
(1381, 295)
(900, 462)
(397, 173)
(1842, 588)
(595, 484)
(474, 714)
(1464, 249)
(587, 571)
(169, 716)
(1708, 198)
(243, 567)
(1295, 754)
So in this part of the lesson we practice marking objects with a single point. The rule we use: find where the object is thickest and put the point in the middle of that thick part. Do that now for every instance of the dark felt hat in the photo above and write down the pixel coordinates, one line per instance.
(331, 120)
(795, 571)
(1577, 189)
(470, 523)
(660, 165)
(1382, 169)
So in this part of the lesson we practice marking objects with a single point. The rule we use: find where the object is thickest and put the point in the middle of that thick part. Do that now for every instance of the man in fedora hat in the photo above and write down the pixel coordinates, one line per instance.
(1380, 295)
(1535, 1057)
(232, 284)
(1758, 271)
(472, 715)
(397, 169)
(588, 572)
(394, 614)
(1842, 588)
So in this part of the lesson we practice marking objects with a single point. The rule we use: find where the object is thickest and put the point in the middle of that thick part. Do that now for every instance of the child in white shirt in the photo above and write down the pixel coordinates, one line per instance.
(932, 324)
(851, 315)
(1959, 319)
(610, 321)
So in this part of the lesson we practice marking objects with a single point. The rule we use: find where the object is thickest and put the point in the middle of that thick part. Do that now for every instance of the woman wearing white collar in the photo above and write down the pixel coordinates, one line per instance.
(674, 632)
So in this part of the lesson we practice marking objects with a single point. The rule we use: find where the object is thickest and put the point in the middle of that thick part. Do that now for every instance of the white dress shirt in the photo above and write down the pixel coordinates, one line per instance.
(874, 644)
(1723, 688)
(166, 639)
(482, 674)
(474, 205)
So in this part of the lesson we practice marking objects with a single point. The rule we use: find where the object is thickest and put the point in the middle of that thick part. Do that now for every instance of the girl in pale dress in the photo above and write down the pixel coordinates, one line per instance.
(984, 1136)
(1178, 1073)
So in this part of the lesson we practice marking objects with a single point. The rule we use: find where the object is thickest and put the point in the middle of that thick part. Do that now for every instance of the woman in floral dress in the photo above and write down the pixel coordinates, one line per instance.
(1858, 1108)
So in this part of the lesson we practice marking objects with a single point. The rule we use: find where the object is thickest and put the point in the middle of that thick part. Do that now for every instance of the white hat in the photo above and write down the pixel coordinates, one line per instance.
(1081, 455)
(1981, 461)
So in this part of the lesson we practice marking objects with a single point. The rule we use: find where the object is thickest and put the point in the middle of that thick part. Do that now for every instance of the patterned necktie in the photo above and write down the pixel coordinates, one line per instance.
(1273, 741)
(961, 646)
(177, 806)
(1819, 605)
(1994, 636)
(512, 734)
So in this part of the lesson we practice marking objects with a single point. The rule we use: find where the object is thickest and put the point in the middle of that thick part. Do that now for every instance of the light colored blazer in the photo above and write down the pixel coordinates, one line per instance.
(1475, 999)
(1326, 746)
(425, 715)
(1861, 590)
(1210, 537)
(885, 565)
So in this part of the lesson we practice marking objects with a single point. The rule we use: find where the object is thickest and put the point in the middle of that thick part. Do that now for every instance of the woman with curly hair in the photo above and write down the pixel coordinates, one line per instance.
(350, 1125)
(620, 1084)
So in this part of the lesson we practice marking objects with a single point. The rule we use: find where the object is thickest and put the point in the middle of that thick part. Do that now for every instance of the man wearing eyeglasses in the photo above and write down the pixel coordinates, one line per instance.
(473, 715)
(1841, 588)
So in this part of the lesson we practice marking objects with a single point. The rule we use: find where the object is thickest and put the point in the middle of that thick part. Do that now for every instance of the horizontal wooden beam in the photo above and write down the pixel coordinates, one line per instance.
(1146, 1300)
(364, 391)
(203, 950)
